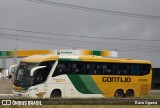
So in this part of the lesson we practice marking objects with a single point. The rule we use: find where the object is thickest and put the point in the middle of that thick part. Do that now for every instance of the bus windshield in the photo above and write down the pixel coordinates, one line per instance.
(22, 75)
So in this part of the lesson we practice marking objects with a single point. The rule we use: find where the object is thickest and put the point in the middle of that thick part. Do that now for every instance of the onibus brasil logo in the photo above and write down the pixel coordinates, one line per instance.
(21, 102)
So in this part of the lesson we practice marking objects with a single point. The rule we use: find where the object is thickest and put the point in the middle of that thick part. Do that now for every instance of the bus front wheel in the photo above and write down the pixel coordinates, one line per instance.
(119, 93)
(55, 93)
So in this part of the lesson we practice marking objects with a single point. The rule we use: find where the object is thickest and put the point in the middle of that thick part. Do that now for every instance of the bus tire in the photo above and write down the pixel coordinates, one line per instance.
(55, 93)
(129, 93)
(119, 93)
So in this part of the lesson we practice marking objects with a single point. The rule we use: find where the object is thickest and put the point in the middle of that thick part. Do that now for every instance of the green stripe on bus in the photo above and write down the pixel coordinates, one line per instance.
(90, 84)
(78, 84)
(98, 53)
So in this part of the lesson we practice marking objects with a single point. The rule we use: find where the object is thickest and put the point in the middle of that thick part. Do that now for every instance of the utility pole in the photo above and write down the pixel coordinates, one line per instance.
(3, 64)
(15, 49)
(4, 60)
(15, 56)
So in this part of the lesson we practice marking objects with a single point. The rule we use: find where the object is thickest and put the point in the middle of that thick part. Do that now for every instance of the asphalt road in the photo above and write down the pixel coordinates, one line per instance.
(6, 89)
(10, 96)
(5, 86)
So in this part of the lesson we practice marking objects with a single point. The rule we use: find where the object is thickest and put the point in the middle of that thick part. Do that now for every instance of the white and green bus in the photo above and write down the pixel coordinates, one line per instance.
(80, 76)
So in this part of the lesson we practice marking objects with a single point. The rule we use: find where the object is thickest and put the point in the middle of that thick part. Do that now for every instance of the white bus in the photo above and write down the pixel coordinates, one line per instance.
(80, 76)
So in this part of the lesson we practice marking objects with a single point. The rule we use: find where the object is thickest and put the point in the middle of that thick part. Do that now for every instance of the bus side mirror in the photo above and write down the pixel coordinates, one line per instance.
(12, 69)
(35, 68)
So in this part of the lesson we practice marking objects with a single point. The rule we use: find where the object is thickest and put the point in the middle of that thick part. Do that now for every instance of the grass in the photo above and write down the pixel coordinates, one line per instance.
(85, 106)
(153, 95)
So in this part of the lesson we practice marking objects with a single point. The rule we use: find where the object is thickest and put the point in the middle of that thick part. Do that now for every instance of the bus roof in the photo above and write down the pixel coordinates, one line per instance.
(120, 60)
(40, 58)
(89, 58)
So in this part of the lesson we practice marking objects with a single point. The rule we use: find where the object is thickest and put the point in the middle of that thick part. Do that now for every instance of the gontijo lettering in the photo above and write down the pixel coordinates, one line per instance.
(116, 79)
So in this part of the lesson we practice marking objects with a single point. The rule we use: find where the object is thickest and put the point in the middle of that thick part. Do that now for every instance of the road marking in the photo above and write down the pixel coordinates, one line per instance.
(6, 94)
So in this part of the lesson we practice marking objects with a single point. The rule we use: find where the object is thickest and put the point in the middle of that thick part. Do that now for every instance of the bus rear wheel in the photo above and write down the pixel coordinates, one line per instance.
(119, 93)
(55, 93)
(129, 93)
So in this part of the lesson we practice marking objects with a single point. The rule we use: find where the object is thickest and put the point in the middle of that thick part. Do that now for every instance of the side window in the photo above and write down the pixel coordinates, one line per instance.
(67, 69)
(104, 69)
(135, 69)
(39, 76)
(89, 69)
(145, 69)
(77, 67)
(123, 69)
(74, 68)
(139, 69)
(61, 68)
(44, 72)
(111, 68)
(107, 69)
(96, 68)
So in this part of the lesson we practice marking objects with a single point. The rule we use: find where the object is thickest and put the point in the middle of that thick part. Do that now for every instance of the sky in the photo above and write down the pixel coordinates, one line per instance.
(48, 26)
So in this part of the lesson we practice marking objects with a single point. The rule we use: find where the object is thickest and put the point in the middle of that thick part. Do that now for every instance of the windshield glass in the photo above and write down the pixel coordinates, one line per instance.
(22, 75)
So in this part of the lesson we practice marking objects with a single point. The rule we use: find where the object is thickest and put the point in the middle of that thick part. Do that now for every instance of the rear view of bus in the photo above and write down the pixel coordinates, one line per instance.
(81, 76)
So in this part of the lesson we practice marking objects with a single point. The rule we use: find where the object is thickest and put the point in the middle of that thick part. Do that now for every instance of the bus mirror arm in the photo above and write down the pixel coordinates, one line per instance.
(12, 68)
(35, 68)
